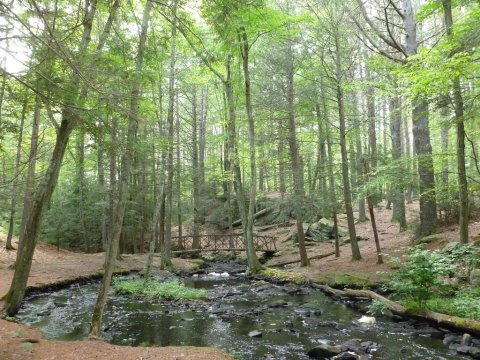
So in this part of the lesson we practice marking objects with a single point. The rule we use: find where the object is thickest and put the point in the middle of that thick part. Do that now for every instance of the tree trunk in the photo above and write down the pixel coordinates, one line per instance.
(253, 263)
(372, 215)
(372, 132)
(343, 147)
(398, 214)
(13, 203)
(126, 167)
(101, 184)
(80, 190)
(409, 160)
(178, 173)
(361, 201)
(167, 251)
(421, 137)
(297, 170)
(331, 177)
(195, 175)
(459, 121)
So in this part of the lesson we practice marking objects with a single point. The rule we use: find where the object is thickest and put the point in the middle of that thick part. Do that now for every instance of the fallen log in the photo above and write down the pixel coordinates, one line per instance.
(256, 215)
(452, 322)
(316, 257)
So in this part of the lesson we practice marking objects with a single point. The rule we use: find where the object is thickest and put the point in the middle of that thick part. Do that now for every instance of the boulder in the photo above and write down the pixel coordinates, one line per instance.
(324, 351)
(426, 239)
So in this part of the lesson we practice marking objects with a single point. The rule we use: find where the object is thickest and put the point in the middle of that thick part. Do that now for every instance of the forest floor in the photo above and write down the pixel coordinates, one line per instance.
(365, 272)
(52, 265)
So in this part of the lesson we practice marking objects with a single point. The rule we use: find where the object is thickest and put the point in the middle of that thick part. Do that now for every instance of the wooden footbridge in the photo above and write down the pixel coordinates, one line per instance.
(222, 242)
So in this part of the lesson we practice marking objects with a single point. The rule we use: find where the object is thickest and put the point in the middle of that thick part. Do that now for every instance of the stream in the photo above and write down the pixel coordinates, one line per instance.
(291, 319)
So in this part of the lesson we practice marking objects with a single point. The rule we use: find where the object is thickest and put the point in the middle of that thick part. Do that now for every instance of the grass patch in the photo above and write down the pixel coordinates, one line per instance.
(170, 289)
(465, 303)
(284, 276)
(197, 264)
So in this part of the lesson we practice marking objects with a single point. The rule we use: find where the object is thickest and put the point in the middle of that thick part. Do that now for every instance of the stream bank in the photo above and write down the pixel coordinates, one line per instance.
(251, 319)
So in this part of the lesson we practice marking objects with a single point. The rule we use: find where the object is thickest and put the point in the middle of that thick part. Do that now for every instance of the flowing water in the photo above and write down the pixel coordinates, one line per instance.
(291, 319)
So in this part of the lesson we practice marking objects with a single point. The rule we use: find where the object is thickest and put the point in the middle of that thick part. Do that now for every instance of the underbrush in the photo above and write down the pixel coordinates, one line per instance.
(171, 289)
(438, 281)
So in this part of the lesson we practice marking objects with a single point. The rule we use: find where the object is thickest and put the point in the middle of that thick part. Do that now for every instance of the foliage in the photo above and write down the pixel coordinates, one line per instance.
(421, 275)
(377, 308)
(150, 288)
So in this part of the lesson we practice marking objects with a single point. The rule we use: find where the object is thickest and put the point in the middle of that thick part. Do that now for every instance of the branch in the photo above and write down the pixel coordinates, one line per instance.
(390, 42)
(399, 12)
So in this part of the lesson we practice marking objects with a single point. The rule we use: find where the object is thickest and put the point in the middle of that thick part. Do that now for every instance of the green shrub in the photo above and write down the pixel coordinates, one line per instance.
(421, 275)
(170, 289)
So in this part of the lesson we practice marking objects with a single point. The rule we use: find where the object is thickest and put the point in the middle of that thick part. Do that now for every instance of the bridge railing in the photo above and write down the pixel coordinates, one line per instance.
(225, 242)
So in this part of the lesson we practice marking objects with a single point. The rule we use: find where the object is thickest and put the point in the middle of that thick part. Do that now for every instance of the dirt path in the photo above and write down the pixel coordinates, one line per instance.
(51, 266)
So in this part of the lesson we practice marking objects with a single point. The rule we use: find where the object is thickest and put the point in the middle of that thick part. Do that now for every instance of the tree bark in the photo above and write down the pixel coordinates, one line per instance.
(126, 167)
(297, 169)
(463, 211)
(343, 147)
(13, 203)
(253, 263)
(167, 255)
(195, 175)
(398, 213)
(372, 215)
(421, 136)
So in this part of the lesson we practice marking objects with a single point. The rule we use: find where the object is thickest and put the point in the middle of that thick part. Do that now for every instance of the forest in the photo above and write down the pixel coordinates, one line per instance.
(240, 177)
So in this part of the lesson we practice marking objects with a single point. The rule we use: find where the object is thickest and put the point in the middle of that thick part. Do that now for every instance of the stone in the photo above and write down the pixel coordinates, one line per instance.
(426, 239)
(347, 356)
(255, 334)
(466, 340)
(453, 346)
(462, 349)
(474, 352)
(277, 304)
(450, 338)
(353, 345)
(324, 351)
(450, 246)
(369, 346)
(430, 332)
(368, 320)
